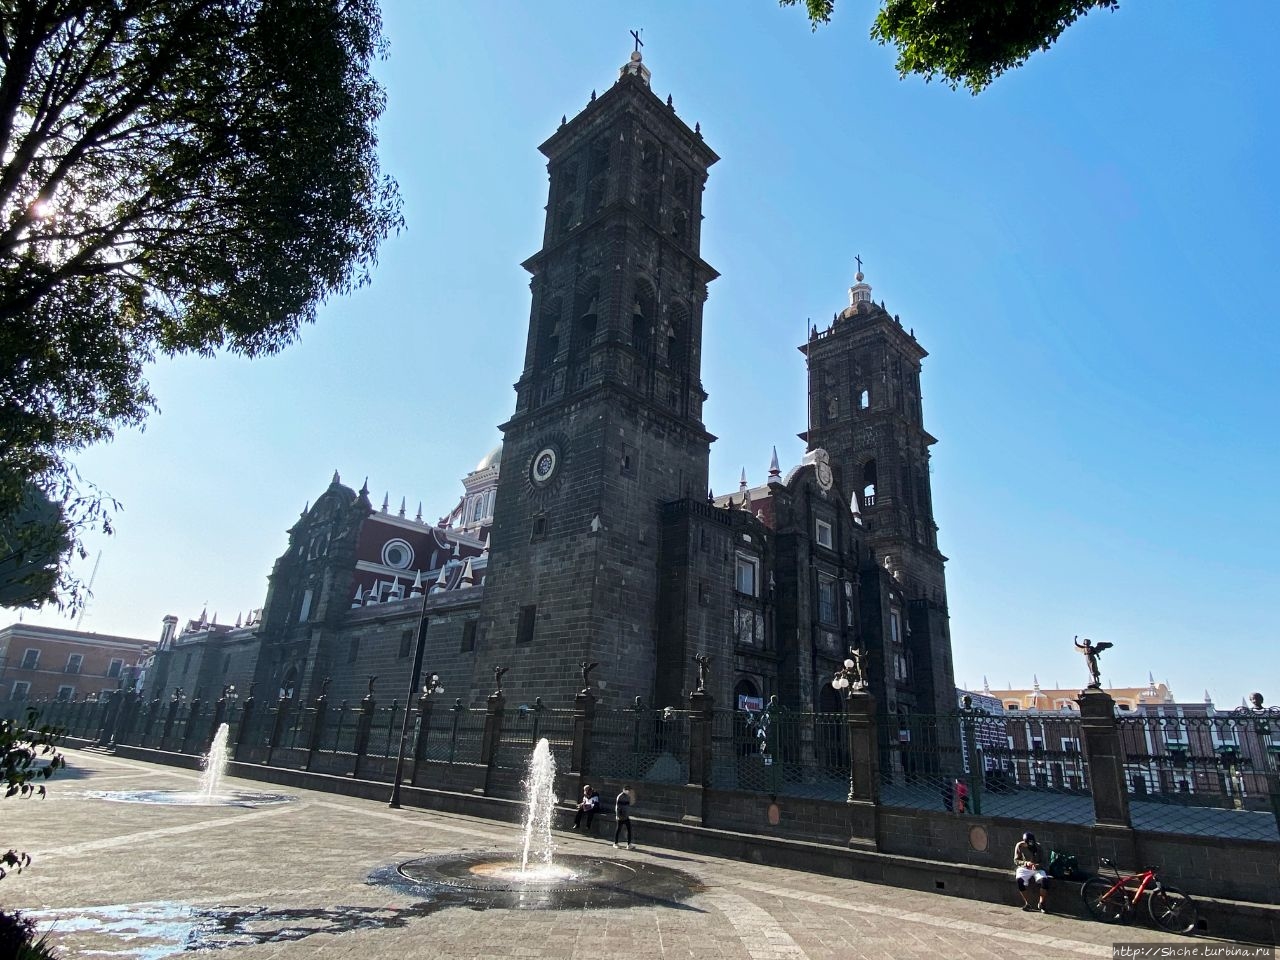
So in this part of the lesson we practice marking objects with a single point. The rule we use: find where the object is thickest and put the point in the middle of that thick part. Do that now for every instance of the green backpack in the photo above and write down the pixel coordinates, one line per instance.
(1063, 866)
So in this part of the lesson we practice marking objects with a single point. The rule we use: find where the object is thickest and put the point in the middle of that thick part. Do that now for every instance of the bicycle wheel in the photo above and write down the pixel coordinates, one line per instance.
(1101, 902)
(1172, 910)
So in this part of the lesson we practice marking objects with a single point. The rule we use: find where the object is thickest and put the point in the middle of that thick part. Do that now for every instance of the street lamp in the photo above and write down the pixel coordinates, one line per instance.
(419, 649)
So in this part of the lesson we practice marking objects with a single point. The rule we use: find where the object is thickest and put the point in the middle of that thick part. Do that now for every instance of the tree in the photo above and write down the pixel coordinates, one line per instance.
(39, 537)
(966, 43)
(175, 176)
(21, 746)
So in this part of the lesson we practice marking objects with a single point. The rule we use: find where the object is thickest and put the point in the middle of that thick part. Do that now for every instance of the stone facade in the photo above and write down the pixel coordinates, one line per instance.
(590, 536)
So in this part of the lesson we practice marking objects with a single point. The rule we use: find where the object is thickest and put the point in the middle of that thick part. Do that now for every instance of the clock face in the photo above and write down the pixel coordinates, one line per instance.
(824, 476)
(544, 465)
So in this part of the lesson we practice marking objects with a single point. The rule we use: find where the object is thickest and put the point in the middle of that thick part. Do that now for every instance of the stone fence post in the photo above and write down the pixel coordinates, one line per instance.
(424, 729)
(1105, 757)
(364, 726)
(189, 731)
(246, 724)
(584, 718)
(171, 715)
(701, 716)
(492, 736)
(864, 768)
(318, 723)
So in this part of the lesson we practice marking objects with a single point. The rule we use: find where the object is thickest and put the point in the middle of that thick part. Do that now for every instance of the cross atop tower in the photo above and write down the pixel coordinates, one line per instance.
(858, 258)
(639, 43)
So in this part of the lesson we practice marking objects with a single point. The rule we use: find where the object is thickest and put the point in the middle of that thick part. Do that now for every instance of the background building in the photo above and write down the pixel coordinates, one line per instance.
(44, 663)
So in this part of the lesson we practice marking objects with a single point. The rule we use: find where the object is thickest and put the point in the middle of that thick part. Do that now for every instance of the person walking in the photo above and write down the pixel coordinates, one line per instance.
(962, 796)
(587, 805)
(622, 809)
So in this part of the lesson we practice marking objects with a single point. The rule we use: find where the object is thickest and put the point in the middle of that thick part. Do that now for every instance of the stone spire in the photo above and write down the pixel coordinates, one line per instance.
(775, 472)
(468, 578)
(742, 483)
(358, 599)
(386, 502)
(402, 506)
(418, 518)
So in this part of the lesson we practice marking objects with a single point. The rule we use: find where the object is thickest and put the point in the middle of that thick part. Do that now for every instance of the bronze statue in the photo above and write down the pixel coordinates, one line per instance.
(1091, 653)
(586, 674)
(858, 672)
(704, 666)
(497, 679)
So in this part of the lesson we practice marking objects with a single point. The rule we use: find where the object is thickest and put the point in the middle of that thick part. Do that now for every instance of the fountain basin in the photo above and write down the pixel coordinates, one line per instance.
(480, 879)
(191, 798)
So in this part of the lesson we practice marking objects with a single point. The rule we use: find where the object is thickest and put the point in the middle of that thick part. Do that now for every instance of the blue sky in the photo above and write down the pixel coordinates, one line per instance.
(1087, 250)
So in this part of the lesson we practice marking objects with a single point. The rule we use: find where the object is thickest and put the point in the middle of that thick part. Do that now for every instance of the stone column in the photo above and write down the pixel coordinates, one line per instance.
(424, 729)
(318, 722)
(701, 713)
(170, 716)
(492, 736)
(110, 712)
(189, 732)
(1105, 758)
(864, 768)
(584, 716)
(246, 724)
(364, 726)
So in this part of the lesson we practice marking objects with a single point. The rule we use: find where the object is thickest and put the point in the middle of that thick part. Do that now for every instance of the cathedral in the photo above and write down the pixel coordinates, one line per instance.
(590, 536)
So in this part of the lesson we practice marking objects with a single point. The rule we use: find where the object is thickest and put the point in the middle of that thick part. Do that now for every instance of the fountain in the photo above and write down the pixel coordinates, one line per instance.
(208, 793)
(215, 764)
(533, 878)
(539, 794)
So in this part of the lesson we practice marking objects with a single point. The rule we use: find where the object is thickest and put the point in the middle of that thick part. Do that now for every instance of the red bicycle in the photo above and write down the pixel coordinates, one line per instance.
(1115, 900)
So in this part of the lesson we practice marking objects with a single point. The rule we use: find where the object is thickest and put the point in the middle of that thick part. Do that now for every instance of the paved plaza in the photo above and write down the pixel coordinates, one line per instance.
(143, 882)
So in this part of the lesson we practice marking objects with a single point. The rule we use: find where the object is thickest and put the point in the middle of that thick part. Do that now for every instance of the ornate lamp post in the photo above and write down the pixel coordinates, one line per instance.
(851, 680)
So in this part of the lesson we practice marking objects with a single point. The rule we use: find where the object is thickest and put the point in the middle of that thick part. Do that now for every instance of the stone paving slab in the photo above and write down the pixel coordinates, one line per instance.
(141, 882)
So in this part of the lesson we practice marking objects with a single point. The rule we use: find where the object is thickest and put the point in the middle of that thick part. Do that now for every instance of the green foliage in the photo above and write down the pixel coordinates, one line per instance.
(967, 43)
(18, 938)
(28, 755)
(175, 176)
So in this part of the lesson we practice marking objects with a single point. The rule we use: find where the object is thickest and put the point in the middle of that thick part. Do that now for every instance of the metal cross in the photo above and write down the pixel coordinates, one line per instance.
(639, 42)
(859, 259)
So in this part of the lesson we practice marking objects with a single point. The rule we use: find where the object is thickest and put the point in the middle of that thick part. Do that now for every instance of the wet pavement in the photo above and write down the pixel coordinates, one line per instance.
(329, 876)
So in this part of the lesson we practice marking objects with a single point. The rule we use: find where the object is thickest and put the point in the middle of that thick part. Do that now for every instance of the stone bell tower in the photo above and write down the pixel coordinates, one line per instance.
(865, 411)
(608, 417)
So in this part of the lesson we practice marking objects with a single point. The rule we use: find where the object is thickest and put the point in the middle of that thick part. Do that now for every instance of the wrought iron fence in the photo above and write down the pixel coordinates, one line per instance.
(640, 744)
(1027, 766)
(780, 752)
(525, 725)
(1203, 775)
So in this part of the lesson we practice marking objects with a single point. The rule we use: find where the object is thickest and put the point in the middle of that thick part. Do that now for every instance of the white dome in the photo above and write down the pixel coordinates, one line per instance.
(491, 459)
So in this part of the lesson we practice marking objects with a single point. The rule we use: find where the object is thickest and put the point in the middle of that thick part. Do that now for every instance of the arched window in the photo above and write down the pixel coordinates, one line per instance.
(548, 336)
(564, 217)
(678, 336)
(869, 482)
(680, 225)
(586, 307)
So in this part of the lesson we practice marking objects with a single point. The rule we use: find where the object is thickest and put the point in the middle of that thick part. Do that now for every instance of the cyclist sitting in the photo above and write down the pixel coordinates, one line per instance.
(1028, 862)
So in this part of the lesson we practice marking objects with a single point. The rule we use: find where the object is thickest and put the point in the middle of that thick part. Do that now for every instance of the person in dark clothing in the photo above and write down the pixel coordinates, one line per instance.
(622, 808)
(588, 805)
